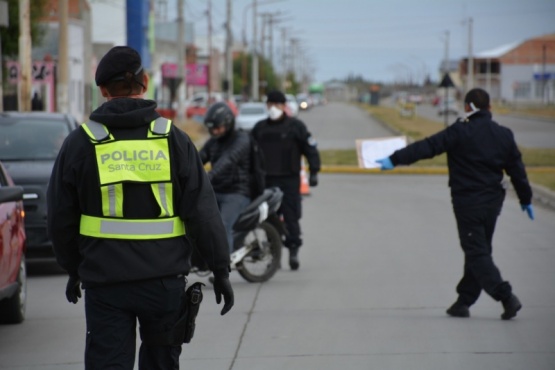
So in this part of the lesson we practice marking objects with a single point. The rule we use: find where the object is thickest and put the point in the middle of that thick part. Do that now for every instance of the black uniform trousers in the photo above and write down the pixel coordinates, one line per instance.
(476, 225)
(112, 312)
(291, 207)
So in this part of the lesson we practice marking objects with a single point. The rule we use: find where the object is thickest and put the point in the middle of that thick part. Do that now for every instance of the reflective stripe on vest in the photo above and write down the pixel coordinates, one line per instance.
(159, 228)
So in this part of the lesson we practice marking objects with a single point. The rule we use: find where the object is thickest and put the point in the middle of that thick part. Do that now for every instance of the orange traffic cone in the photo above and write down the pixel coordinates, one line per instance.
(305, 188)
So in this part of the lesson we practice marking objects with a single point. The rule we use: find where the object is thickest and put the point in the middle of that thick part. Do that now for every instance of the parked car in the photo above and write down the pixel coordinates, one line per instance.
(249, 115)
(292, 105)
(13, 276)
(304, 101)
(29, 145)
(448, 106)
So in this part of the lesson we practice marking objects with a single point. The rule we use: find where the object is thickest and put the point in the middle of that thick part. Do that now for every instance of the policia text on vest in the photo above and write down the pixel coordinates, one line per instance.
(138, 160)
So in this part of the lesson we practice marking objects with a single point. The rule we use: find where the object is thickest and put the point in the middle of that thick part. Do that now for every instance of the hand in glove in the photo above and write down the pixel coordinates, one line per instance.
(222, 286)
(385, 163)
(313, 179)
(73, 290)
(529, 210)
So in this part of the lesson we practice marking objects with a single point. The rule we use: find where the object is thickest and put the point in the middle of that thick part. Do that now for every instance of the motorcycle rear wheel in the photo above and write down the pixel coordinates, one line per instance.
(264, 259)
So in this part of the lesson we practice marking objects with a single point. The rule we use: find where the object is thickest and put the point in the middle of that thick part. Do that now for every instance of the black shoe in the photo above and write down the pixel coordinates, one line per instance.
(458, 310)
(511, 305)
(294, 258)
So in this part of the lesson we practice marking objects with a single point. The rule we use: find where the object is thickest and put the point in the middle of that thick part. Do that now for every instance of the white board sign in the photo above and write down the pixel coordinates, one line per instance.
(369, 150)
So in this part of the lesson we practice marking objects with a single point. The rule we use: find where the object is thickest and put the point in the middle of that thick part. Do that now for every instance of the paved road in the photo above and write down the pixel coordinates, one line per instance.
(338, 125)
(378, 270)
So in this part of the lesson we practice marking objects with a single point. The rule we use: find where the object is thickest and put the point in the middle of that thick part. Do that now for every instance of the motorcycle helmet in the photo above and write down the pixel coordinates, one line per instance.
(219, 115)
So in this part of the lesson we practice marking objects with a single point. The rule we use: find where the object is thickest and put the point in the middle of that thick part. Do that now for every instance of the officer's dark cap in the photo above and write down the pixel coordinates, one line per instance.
(276, 96)
(116, 63)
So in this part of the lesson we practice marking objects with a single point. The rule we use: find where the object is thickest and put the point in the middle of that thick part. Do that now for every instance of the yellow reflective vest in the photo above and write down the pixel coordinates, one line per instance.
(140, 161)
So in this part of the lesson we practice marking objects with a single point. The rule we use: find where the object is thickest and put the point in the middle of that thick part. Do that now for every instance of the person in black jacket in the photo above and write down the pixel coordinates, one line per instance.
(228, 152)
(283, 140)
(478, 151)
(128, 200)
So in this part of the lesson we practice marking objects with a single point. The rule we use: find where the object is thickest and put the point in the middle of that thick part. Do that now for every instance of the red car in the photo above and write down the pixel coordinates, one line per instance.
(13, 276)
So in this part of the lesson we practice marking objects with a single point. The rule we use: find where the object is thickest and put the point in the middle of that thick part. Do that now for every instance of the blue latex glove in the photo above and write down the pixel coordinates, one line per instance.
(529, 209)
(385, 163)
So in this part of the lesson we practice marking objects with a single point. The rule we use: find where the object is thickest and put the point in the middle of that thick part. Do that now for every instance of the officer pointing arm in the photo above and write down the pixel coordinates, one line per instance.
(479, 151)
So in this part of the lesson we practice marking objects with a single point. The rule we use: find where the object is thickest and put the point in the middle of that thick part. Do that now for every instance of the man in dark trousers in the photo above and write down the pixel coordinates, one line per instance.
(128, 200)
(478, 151)
(284, 140)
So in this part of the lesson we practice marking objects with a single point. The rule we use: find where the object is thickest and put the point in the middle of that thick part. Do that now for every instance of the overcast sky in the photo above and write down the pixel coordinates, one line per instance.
(381, 40)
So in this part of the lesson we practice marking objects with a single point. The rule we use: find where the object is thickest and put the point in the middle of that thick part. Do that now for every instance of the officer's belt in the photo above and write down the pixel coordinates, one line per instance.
(137, 229)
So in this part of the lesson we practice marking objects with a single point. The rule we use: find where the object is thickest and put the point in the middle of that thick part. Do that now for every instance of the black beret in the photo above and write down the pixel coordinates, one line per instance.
(275, 97)
(116, 63)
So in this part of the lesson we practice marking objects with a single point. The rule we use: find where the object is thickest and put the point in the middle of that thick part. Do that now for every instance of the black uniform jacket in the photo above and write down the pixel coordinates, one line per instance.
(283, 142)
(478, 151)
(230, 160)
(74, 190)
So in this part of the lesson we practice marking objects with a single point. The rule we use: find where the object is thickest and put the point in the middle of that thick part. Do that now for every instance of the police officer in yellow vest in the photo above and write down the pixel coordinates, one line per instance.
(128, 200)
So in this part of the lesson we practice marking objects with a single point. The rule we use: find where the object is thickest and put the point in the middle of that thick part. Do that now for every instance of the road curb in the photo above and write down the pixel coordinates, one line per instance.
(541, 194)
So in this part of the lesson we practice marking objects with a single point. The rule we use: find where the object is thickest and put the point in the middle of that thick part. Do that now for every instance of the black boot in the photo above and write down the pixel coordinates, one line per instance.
(511, 305)
(458, 310)
(293, 257)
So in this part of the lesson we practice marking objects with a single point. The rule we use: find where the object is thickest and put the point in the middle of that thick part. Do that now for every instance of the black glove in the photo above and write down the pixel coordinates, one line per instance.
(73, 290)
(222, 286)
(313, 179)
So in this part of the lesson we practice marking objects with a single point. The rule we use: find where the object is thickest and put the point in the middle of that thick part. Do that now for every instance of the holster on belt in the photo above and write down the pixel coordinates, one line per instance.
(184, 328)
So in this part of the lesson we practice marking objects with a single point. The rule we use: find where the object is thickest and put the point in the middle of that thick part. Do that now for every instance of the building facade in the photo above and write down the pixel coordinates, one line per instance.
(516, 73)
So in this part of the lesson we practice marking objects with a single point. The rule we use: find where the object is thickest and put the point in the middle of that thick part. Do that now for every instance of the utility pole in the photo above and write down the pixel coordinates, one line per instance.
(63, 67)
(446, 57)
(470, 73)
(254, 68)
(4, 22)
(25, 82)
(284, 58)
(544, 77)
(209, 87)
(228, 56)
(181, 60)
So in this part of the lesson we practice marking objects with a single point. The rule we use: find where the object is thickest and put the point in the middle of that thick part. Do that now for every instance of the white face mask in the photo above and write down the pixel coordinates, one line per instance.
(474, 110)
(274, 113)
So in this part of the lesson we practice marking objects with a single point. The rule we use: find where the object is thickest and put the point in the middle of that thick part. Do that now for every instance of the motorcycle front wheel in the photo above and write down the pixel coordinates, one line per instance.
(263, 261)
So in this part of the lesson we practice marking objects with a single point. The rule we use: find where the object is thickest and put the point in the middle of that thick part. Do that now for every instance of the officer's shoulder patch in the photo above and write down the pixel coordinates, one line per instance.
(311, 141)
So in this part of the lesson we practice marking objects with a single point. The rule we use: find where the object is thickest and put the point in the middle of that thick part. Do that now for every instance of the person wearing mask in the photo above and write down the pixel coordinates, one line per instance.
(284, 140)
(478, 151)
(228, 152)
(128, 200)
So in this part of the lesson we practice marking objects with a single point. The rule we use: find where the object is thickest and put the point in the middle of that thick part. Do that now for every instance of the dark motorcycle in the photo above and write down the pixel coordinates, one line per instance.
(257, 239)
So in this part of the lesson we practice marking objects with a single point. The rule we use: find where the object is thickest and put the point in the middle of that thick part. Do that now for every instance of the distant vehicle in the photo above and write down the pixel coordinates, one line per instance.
(240, 99)
(249, 115)
(196, 107)
(13, 275)
(448, 106)
(292, 105)
(416, 98)
(29, 145)
(304, 101)
(317, 99)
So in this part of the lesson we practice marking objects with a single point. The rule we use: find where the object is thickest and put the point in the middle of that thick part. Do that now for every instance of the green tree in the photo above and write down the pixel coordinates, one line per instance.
(242, 67)
(10, 35)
